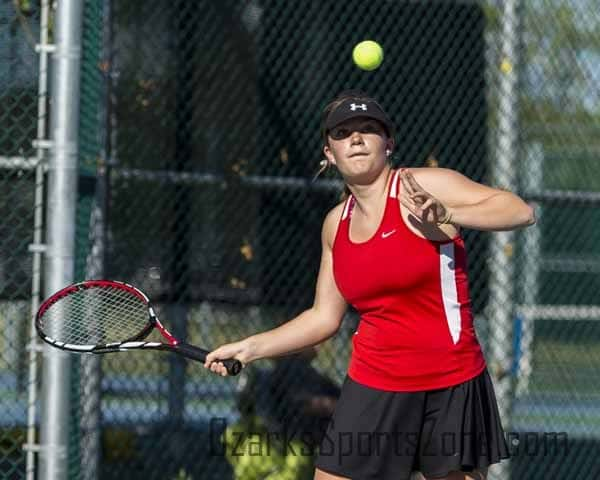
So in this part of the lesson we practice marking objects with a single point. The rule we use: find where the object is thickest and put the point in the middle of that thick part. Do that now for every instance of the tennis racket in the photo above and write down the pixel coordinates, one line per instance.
(103, 316)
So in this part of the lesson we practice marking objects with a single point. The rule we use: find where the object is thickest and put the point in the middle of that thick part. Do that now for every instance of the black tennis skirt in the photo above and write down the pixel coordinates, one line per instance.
(382, 435)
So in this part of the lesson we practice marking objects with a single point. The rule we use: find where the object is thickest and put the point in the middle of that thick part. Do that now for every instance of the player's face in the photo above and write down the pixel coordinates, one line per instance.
(358, 148)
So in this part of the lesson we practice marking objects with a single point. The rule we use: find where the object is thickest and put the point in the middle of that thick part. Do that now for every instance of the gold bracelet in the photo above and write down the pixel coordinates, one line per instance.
(447, 218)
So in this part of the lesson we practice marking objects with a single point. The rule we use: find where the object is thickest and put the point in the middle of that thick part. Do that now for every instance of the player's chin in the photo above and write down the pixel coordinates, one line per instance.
(358, 160)
(363, 173)
(356, 167)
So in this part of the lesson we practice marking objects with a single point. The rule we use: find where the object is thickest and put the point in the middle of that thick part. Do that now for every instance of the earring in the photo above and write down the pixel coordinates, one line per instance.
(387, 153)
(323, 164)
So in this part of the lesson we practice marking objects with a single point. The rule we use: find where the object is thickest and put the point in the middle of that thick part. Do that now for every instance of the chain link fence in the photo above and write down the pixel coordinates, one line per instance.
(199, 140)
(19, 96)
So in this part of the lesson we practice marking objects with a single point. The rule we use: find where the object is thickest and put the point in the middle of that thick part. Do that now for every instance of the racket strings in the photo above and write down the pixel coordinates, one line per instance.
(95, 316)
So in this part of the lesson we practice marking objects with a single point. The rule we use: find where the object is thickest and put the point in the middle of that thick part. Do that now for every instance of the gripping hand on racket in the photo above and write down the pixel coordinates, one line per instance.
(241, 351)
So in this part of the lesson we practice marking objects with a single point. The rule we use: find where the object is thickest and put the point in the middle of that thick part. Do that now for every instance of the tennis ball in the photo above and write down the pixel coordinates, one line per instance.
(367, 55)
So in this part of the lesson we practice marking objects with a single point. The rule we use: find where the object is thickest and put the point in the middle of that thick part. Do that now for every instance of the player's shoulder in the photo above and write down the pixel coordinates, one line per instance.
(433, 177)
(331, 221)
(429, 171)
(335, 213)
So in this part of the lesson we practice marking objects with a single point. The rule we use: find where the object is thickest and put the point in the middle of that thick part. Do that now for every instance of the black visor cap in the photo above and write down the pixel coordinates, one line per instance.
(352, 108)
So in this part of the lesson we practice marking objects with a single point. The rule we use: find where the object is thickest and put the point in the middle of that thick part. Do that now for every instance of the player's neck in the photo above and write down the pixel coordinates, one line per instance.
(369, 198)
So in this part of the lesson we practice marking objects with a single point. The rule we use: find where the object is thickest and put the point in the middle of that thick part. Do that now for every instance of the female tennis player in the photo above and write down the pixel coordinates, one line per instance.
(417, 396)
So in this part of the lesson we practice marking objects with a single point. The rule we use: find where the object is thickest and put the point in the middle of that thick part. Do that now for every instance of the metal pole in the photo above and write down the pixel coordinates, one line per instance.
(91, 379)
(37, 248)
(60, 230)
(91, 383)
(504, 175)
(532, 173)
(91, 367)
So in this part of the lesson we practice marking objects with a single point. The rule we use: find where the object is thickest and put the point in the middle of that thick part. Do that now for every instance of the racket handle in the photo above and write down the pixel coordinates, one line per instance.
(232, 365)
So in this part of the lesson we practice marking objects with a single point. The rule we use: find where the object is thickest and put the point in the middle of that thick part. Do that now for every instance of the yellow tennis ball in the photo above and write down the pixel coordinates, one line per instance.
(367, 55)
(506, 66)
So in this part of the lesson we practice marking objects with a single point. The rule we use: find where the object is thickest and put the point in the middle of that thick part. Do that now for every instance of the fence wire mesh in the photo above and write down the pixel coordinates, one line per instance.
(199, 139)
(19, 29)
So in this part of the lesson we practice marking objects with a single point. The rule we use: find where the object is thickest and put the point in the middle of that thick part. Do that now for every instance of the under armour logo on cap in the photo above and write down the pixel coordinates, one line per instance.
(362, 106)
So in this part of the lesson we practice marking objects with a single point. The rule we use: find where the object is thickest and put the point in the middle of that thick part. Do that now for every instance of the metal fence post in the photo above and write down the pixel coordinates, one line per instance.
(60, 229)
(502, 268)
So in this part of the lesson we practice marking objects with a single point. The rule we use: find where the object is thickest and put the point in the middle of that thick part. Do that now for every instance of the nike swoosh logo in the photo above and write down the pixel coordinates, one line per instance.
(387, 234)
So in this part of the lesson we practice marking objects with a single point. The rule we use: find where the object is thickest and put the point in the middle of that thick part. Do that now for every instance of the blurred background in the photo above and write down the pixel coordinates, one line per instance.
(198, 139)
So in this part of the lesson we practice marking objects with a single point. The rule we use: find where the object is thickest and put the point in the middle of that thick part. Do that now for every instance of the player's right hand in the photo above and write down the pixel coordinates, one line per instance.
(237, 350)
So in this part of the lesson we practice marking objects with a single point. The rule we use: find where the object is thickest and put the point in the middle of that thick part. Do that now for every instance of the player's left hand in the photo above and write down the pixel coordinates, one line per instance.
(421, 203)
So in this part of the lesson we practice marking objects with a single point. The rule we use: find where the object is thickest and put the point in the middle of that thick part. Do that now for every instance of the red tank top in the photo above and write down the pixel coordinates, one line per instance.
(416, 327)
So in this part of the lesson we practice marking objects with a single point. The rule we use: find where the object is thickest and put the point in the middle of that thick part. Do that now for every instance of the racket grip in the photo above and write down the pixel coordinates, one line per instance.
(232, 365)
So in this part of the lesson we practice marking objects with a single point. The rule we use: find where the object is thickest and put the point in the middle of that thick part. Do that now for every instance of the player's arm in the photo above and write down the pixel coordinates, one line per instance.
(469, 204)
(311, 327)
(315, 324)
